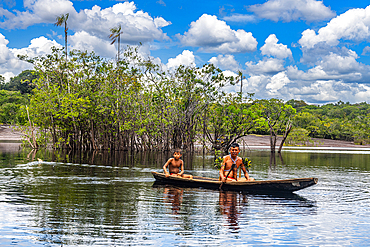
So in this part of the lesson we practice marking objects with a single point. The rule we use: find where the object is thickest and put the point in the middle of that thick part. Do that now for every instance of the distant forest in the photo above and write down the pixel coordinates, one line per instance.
(85, 102)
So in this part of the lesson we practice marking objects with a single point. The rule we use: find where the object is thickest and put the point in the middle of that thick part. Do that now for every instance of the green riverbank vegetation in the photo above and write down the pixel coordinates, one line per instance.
(85, 102)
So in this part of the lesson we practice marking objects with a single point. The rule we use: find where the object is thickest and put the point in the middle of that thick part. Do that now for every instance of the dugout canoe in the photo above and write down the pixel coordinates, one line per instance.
(262, 186)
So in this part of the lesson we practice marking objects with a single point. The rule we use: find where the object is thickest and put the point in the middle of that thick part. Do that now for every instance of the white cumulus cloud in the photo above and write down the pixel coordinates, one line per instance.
(185, 58)
(84, 41)
(292, 10)
(39, 46)
(137, 25)
(37, 11)
(213, 35)
(11, 66)
(277, 82)
(272, 48)
(335, 66)
(225, 62)
(266, 66)
(353, 25)
(333, 77)
(240, 18)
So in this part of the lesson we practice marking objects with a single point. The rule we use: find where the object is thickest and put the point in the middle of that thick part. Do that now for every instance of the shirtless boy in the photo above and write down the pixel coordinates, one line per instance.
(174, 165)
(228, 162)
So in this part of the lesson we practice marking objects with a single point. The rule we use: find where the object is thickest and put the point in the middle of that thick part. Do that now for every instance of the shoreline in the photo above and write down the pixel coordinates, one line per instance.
(10, 137)
(258, 142)
(8, 134)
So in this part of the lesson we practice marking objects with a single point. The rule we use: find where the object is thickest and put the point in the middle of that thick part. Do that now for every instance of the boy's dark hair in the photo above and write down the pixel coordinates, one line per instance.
(234, 145)
(177, 150)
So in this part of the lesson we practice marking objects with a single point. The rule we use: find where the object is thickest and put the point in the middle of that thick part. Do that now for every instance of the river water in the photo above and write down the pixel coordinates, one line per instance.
(108, 199)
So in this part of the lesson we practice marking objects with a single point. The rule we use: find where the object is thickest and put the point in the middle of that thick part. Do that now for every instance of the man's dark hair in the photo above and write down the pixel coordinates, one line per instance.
(234, 145)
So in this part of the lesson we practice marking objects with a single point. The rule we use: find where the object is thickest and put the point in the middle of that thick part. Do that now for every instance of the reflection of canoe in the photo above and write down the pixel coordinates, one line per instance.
(264, 186)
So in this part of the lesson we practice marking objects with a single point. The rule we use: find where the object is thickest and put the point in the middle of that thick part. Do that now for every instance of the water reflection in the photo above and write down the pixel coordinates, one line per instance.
(173, 196)
(273, 159)
(230, 203)
(107, 199)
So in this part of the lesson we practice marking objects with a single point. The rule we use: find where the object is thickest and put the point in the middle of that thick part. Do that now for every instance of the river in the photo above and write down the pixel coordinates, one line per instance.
(108, 199)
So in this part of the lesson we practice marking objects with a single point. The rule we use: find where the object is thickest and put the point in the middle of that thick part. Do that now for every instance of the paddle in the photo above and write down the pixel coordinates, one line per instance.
(231, 169)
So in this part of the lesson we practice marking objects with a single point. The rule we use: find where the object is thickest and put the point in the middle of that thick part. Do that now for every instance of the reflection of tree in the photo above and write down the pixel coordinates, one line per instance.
(173, 195)
(188, 160)
(31, 155)
(281, 159)
(61, 205)
(229, 207)
(273, 159)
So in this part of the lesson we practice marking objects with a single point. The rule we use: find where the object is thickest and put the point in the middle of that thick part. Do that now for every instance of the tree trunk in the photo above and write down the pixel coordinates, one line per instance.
(286, 133)
(272, 137)
(272, 141)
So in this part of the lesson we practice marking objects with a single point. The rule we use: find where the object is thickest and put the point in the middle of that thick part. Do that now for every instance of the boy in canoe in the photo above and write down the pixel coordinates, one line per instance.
(227, 165)
(174, 165)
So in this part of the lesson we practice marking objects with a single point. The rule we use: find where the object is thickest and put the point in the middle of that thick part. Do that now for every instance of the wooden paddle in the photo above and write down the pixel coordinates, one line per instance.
(231, 169)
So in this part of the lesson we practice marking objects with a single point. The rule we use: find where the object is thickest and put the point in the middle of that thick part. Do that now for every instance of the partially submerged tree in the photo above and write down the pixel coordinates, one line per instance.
(230, 120)
(278, 117)
(90, 103)
(182, 97)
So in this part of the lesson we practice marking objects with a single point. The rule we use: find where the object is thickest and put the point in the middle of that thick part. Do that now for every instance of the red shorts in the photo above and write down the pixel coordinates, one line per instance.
(228, 178)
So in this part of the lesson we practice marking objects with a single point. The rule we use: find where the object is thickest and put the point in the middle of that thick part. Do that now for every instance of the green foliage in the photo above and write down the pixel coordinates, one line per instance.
(340, 121)
(299, 137)
(219, 160)
(276, 113)
(182, 97)
(10, 107)
(21, 82)
(296, 104)
(91, 103)
(2, 82)
(31, 135)
(87, 102)
(278, 118)
(229, 119)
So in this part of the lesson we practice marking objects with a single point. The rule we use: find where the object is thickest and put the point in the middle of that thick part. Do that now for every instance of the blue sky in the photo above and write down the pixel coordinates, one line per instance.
(316, 51)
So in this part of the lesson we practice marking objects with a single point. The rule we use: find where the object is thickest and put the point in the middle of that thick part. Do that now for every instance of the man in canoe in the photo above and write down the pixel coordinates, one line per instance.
(227, 165)
(174, 165)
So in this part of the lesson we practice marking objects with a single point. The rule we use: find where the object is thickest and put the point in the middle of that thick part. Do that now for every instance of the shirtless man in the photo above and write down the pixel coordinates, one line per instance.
(174, 165)
(228, 162)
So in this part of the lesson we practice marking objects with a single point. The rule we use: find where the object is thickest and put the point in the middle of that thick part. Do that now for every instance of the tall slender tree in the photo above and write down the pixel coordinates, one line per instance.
(116, 36)
(62, 19)
(240, 74)
(2, 82)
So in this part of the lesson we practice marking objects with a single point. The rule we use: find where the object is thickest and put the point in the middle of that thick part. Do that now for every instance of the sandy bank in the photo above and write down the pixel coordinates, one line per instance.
(9, 135)
(258, 141)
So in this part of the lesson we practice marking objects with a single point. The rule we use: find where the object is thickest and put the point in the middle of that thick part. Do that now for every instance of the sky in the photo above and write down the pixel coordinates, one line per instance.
(316, 51)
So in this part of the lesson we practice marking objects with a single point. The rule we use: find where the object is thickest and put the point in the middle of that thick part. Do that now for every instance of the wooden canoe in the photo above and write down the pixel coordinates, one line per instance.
(262, 186)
